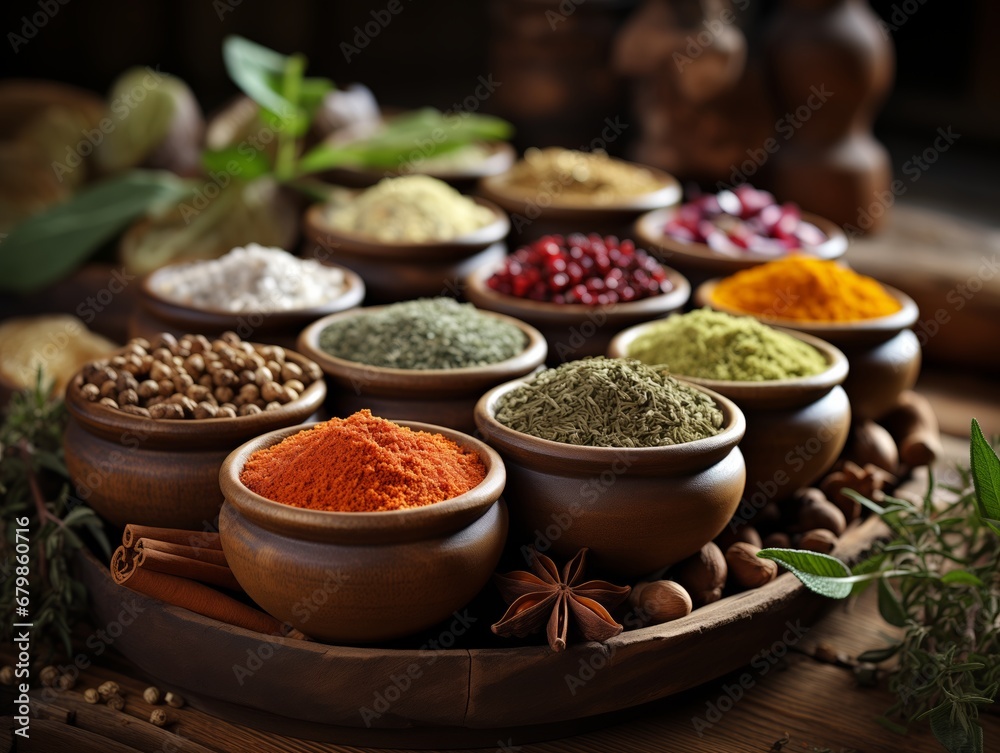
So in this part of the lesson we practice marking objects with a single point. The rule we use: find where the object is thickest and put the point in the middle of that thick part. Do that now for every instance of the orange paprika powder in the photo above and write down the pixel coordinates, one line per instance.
(362, 464)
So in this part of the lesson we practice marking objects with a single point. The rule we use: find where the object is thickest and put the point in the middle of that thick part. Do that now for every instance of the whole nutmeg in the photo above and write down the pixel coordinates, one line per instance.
(206, 410)
(148, 388)
(871, 443)
(290, 371)
(151, 695)
(249, 409)
(174, 700)
(777, 540)
(49, 676)
(730, 536)
(135, 410)
(822, 514)
(90, 695)
(158, 717)
(116, 702)
(818, 540)
(91, 391)
(294, 384)
(747, 569)
(111, 403)
(167, 411)
(272, 391)
(703, 574)
(108, 689)
(66, 682)
(128, 397)
(661, 601)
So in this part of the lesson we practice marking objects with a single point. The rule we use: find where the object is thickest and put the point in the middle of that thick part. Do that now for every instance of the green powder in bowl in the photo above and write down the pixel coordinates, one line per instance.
(429, 333)
(609, 402)
(712, 345)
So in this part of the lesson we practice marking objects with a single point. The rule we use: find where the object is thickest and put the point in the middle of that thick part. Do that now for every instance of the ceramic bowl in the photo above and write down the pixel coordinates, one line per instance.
(796, 428)
(698, 262)
(638, 510)
(132, 469)
(533, 216)
(884, 354)
(156, 314)
(498, 159)
(573, 330)
(382, 575)
(401, 271)
(443, 396)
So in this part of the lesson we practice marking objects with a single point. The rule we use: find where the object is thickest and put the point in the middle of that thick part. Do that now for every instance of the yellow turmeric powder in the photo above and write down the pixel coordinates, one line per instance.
(806, 289)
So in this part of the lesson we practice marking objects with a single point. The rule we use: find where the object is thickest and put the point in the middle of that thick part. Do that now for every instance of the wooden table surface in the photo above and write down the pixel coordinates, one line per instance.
(804, 697)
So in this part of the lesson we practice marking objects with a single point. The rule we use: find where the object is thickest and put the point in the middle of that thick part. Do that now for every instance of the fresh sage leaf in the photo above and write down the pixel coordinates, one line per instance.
(258, 71)
(48, 246)
(985, 466)
(889, 605)
(820, 573)
(954, 736)
(879, 655)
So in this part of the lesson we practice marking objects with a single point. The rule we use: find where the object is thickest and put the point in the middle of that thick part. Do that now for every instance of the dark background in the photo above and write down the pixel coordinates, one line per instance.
(948, 64)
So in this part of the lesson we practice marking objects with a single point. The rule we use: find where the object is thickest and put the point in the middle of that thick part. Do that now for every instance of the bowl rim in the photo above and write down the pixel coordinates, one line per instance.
(321, 232)
(890, 323)
(685, 456)
(197, 432)
(478, 290)
(648, 228)
(352, 295)
(398, 525)
(669, 193)
(532, 356)
(835, 372)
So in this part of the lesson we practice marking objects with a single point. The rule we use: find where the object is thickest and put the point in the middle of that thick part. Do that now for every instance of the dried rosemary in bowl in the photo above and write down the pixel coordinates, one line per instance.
(606, 402)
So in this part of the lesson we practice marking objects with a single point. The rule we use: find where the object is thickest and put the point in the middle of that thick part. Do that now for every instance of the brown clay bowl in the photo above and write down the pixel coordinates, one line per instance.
(699, 262)
(637, 509)
(884, 354)
(573, 330)
(499, 158)
(401, 271)
(535, 215)
(796, 428)
(446, 397)
(156, 314)
(132, 469)
(382, 575)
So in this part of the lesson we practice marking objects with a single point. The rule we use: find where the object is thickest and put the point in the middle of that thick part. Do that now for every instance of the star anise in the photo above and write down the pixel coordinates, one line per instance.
(868, 482)
(548, 597)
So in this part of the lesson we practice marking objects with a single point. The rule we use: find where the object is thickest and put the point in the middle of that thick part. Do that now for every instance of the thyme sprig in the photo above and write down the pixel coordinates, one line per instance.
(34, 484)
(939, 581)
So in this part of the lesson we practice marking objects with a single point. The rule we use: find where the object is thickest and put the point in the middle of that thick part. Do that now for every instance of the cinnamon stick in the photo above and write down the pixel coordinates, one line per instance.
(169, 563)
(189, 594)
(213, 556)
(195, 539)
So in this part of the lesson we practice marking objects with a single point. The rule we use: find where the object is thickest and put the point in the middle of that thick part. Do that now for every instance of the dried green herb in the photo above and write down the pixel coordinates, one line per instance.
(939, 580)
(714, 345)
(34, 484)
(429, 333)
(609, 402)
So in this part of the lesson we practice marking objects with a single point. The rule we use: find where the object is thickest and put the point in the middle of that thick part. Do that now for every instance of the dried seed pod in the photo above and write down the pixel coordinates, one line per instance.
(182, 382)
(90, 695)
(273, 405)
(116, 702)
(167, 411)
(117, 362)
(151, 695)
(224, 394)
(128, 397)
(296, 385)
(249, 392)
(227, 411)
(158, 717)
(164, 340)
(703, 574)
(108, 689)
(198, 392)
(126, 381)
(249, 409)
(174, 700)
(290, 370)
(109, 389)
(274, 367)
(747, 569)
(311, 372)
(164, 356)
(818, 540)
(194, 364)
(247, 377)
(148, 388)
(91, 391)
(270, 391)
(263, 375)
(662, 601)
(230, 338)
(110, 402)
(206, 410)
(7, 675)
(290, 395)
(136, 410)
(160, 372)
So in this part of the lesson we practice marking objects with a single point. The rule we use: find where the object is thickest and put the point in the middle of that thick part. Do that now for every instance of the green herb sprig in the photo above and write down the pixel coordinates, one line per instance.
(34, 484)
(939, 580)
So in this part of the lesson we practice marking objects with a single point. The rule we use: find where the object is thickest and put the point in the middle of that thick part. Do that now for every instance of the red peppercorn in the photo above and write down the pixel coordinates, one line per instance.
(581, 269)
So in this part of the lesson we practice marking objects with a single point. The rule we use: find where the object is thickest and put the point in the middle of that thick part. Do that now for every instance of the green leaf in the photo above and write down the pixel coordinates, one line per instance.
(985, 466)
(245, 163)
(866, 566)
(257, 70)
(820, 573)
(47, 246)
(889, 605)
(879, 655)
(955, 737)
(963, 577)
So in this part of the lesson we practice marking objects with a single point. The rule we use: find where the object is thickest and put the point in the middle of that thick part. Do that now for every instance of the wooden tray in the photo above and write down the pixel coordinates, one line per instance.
(447, 698)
